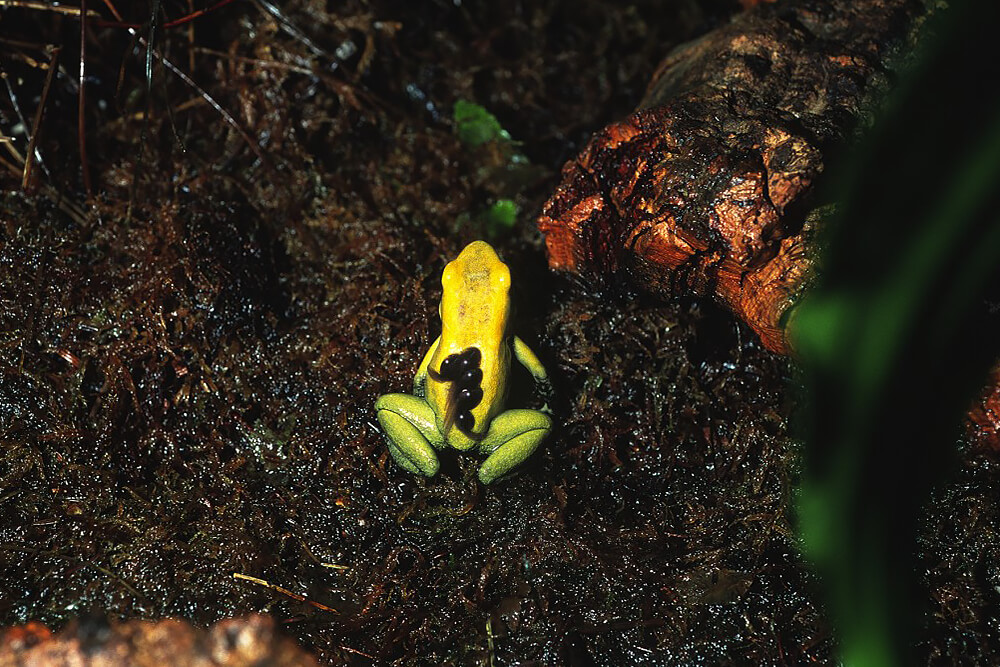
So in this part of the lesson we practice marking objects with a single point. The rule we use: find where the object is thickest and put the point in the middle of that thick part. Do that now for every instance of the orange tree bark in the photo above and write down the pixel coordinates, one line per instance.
(708, 187)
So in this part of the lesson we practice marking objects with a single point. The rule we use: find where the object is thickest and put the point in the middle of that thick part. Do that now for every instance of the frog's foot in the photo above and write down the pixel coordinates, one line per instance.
(409, 423)
(512, 437)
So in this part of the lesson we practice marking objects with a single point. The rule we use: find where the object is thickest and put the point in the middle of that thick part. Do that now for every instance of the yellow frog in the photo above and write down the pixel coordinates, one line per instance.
(461, 385)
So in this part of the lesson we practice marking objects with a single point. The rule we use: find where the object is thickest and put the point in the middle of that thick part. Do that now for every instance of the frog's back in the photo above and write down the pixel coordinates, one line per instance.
(468, 373)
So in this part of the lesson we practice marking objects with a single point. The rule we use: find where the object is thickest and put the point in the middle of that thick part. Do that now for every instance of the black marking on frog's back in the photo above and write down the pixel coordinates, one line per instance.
(466, 392)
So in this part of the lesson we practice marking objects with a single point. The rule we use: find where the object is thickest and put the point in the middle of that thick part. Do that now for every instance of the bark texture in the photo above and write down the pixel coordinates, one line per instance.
(706, 187)
(236, 642)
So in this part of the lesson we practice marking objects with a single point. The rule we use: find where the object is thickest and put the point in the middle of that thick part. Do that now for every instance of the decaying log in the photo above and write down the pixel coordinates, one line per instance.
(983, 421)
(706, 188)
(235, 642)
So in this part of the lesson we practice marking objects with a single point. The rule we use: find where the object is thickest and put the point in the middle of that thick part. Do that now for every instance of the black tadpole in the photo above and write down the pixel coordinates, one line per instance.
(469, 397)
(463, 372)
(465, 421)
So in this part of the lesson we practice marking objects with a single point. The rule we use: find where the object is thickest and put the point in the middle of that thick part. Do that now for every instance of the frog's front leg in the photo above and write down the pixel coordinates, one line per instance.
(533, 364)
(410, 424)
(512, 437)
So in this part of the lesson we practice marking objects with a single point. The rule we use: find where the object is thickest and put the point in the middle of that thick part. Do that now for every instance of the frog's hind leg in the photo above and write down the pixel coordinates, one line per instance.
(410, 424)
(512, 437)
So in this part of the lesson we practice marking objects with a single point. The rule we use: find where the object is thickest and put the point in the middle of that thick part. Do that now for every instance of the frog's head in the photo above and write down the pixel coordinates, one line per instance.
(476, 299)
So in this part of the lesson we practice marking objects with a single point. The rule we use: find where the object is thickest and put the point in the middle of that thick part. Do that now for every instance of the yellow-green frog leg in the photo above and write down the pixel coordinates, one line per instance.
(529, 360)
(413, 435)
(512, 437)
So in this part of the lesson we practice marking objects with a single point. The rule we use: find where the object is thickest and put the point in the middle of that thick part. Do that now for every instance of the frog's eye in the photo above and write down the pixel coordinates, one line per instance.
(449, 275)
(501, 276)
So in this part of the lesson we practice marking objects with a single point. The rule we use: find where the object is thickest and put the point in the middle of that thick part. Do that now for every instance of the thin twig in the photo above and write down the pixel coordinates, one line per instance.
(64, 204)
(81, 118)
(24, 124)
(218, 108)
(230, 120)
(45, 7)
(119, 22)
(36, 129)
(193, 15)
(256, 62)
(283, 591)
(148, 72)
(290, 27)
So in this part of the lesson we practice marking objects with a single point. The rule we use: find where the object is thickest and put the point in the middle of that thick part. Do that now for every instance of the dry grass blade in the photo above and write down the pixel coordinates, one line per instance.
(36, 129)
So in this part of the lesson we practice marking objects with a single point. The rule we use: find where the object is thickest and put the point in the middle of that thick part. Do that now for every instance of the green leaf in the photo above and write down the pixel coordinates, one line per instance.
(501, 216)
(477, 126)
(899, 334)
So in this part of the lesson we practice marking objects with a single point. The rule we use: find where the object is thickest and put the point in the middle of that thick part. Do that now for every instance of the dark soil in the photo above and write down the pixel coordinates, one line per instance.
(190, 357)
